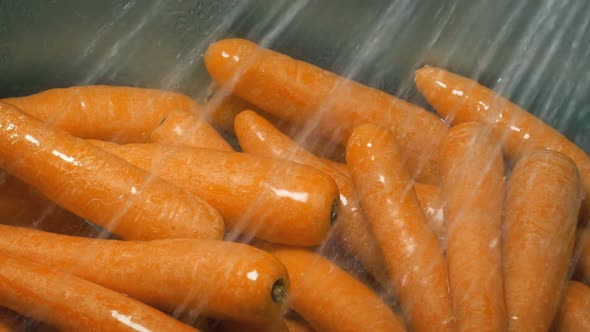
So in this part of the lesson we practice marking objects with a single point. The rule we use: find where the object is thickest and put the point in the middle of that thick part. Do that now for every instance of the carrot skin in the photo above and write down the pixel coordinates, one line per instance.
(460, 99)
(182, 127)
(222, 279)
(307, 95)
(473, 190)
(414, 259)
(318, 283)
(73, 304)
(119, 113)
(278, 201)
(543, 199)
(574, 310)
(99, 186)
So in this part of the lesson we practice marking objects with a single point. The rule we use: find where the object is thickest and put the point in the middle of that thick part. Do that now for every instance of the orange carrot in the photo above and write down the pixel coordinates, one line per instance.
(583, 251)
(429, 198)
(543, 199)
(258, 136)
(472, 190)
(275, 200)
(307, 95)
(123, 114)
(221, 279)
(187, 128)
(413, 256)
(222, 110)
(460, 99)
(330, 299)
(574, 310)
(73, 304)
(21, 205)
(99, 186)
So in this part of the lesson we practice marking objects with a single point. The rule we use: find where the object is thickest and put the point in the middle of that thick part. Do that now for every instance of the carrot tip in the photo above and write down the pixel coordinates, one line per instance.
(279, 291)
(334, 211)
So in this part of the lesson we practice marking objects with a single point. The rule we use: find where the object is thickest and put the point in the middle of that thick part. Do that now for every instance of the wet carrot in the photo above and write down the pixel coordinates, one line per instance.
(307, 95)
(460, 99)
(182, 127)
(221, 279)
(120, 113)
(222, 110)
(73, 304)
(258, 136)
(413, 257)
(583, 253)
(278, 201)
(99, 186)
(21, 205)
(429, 198)
(330, 299)
(472, 190)
(574, 310)
(543, 199)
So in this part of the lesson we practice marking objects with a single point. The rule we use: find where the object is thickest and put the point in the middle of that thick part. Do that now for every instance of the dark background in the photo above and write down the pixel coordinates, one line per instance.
(535, 52)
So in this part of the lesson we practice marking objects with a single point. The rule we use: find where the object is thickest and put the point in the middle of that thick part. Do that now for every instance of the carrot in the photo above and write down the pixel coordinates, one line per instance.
(460, 99)
(187, 128)
(11, 321)
(307, 95)
(73, 304)
(275, 200)
(21, 205)
(221, 279)
(429, 198)
(583, 251)
(543, 199)
(330, 299)
(98, 186)
(574, 310)
(120, 113)
(221, 110)
(413, 257)
(258, 136)
(472, 190)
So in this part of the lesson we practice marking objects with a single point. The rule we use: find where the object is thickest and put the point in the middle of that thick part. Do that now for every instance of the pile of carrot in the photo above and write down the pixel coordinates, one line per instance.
(128, 209)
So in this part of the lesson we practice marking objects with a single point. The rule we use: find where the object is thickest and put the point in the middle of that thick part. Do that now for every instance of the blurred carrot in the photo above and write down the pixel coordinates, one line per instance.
(472, 190)
(258, 136)
(543, 199)
(275, 200)
(583, 253)
(330, 299)
(307, 95)
(21, 205)
(120, 113)
(99, 186)
(432, 205)
(182, 127)
(222, 279)
(574, 310)
(73, 304)
(461, 99)
(414, 259)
